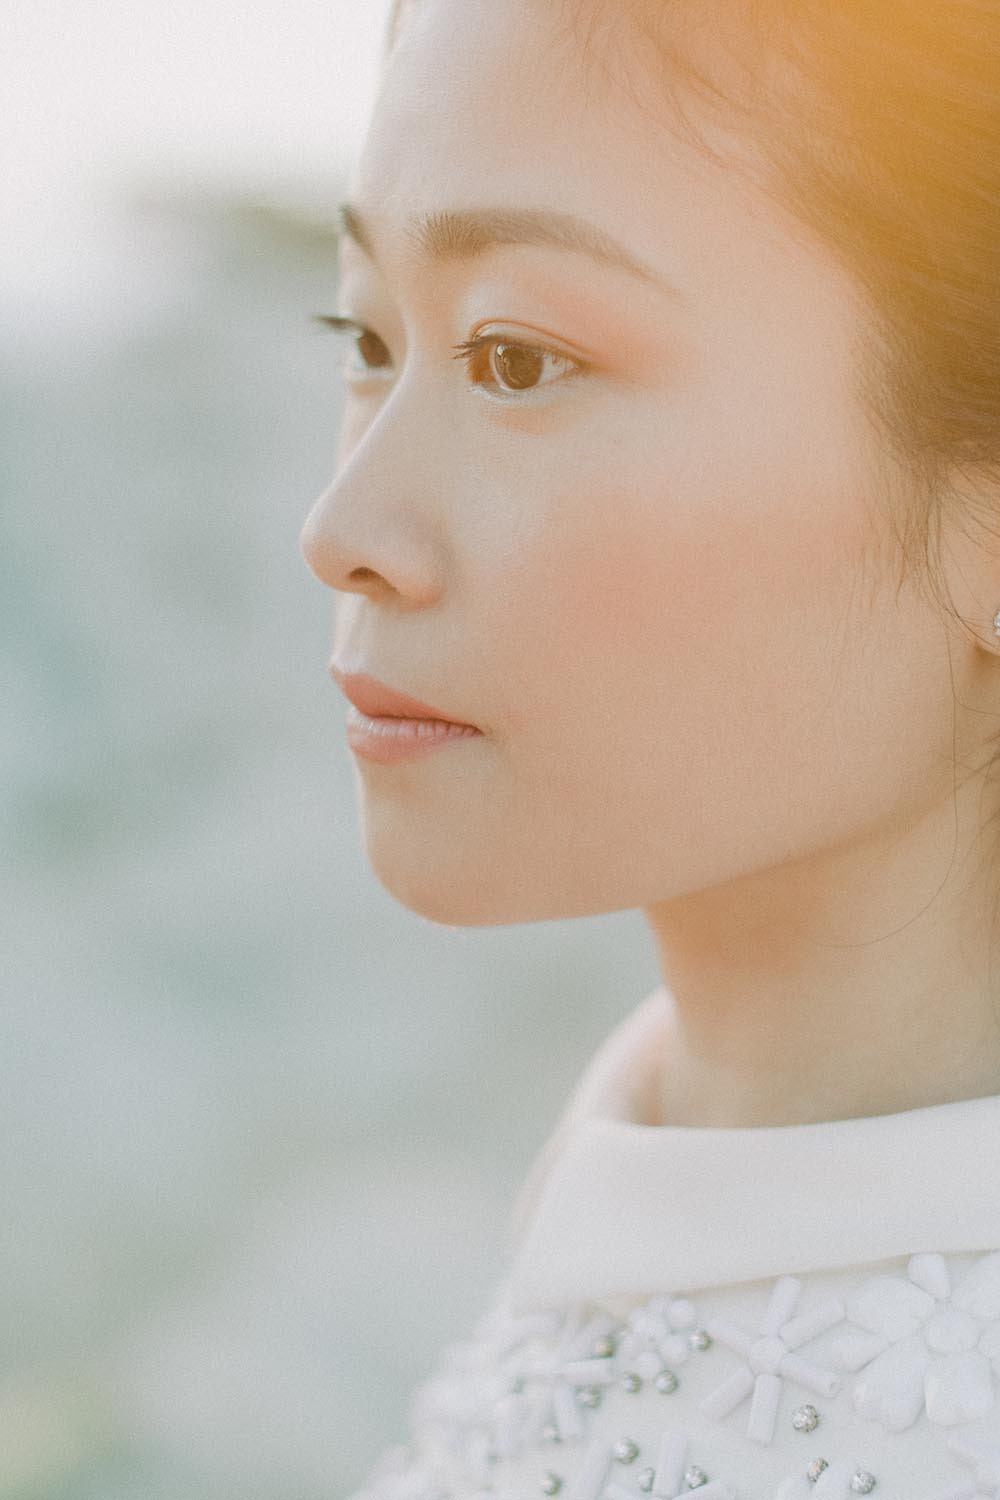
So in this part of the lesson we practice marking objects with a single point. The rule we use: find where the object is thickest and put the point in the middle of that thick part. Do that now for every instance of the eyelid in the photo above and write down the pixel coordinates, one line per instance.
(468, 349)
(338, 322)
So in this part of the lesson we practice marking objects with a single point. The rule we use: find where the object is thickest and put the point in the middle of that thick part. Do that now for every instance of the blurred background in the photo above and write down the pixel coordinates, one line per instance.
(262, 1127)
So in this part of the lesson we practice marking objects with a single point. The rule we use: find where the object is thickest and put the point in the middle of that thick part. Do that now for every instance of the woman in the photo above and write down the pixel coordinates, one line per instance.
(669, 474)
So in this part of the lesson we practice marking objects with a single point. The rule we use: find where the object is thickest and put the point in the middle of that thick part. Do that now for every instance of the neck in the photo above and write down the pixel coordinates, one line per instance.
(855, 983)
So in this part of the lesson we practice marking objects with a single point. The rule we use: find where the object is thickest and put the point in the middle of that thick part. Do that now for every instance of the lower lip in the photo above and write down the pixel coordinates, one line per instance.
(390, 740)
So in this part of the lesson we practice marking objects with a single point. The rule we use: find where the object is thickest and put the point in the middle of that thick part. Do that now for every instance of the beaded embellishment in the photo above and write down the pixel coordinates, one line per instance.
(925, 1345)
(535, 1383)
(828, 1481)
(770, 1359)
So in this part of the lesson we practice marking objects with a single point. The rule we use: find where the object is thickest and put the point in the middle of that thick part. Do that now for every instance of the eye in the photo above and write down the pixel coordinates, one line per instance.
(500, 364)
(518, 365)
(366, 342)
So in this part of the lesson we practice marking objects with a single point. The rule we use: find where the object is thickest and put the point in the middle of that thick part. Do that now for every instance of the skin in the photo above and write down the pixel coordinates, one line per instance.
(666, 591)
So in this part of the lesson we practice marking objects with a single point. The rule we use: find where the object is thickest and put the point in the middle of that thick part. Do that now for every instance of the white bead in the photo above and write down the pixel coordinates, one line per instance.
(682, 1313)
(670, 1459)
(890, 1306)
(674, 1349)
(784, 1295)
(766, 1356)
(834, 1482)
(851, 1351)
(959, 1388)
(979, 1290)
(930, 1273)
(764, 1408)
(592, 1472)
(809, 1325)
(951, 1331)
(891, 1389)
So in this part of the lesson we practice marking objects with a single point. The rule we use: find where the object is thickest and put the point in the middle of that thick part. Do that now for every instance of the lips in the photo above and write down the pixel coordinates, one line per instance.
(380, 701)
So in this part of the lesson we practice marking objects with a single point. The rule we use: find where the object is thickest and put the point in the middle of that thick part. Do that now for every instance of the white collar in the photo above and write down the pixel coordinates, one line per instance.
(613, 1206)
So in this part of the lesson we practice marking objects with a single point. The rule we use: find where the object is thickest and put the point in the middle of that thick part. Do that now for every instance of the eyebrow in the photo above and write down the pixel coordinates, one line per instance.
(462, 234)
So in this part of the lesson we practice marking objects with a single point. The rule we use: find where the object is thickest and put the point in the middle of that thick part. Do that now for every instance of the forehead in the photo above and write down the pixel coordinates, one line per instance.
(507, 102)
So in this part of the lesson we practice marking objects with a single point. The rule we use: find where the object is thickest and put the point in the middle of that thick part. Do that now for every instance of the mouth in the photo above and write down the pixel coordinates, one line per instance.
(377, 701)
(387, 726)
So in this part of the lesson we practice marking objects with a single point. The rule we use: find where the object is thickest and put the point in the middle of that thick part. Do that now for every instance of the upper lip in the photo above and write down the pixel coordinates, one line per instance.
(377, 699)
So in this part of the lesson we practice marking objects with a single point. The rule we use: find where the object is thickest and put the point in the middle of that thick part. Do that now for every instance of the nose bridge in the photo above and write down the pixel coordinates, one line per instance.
(373, 519)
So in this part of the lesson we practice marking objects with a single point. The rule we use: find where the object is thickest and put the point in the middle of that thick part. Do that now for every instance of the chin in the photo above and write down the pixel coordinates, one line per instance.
(444, 883)
(437, 892)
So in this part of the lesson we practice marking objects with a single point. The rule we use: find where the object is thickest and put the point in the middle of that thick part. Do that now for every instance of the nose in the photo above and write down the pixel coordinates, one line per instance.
(367, 533)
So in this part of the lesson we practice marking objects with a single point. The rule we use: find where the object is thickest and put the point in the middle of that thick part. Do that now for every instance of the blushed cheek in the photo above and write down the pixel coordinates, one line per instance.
(696, 606)
(597, 610)
(644, 574)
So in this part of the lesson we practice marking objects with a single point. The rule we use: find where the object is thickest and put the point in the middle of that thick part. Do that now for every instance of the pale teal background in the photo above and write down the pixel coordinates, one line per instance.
(262, 1126)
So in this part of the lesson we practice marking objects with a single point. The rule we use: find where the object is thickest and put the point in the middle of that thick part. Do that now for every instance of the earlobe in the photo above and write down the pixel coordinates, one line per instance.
(991, 642)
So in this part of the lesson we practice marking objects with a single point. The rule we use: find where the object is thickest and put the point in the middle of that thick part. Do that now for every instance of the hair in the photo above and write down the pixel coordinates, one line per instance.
(878, 124)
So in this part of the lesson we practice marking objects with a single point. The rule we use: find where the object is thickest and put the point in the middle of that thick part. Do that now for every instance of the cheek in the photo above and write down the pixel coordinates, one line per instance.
(711, 604)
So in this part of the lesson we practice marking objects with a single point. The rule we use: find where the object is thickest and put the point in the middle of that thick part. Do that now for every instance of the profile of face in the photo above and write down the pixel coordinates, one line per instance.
(638, 540)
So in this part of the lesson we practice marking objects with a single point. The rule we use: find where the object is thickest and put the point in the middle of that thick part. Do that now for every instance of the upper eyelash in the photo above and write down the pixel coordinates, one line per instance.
(468, 348)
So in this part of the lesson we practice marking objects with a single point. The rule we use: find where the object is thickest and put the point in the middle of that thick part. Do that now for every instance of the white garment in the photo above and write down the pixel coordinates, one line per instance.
(676, 1295)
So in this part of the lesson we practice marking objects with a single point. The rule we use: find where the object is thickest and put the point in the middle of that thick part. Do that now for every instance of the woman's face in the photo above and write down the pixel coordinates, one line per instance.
(649, 564)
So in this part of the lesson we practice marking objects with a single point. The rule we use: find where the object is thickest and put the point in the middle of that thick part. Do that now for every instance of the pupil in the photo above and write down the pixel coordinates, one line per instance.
(365, 342)
(519, 367)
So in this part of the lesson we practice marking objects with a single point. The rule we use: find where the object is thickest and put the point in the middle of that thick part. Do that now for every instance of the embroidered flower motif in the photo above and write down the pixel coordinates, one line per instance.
(672, 1476)
(472, 1407)
(984, 1461)
(655, 1335)
(553, 1388)
(924, 1344)
(835, 1481)
(769, 1358)
(519, 1380)
(533, 1378)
